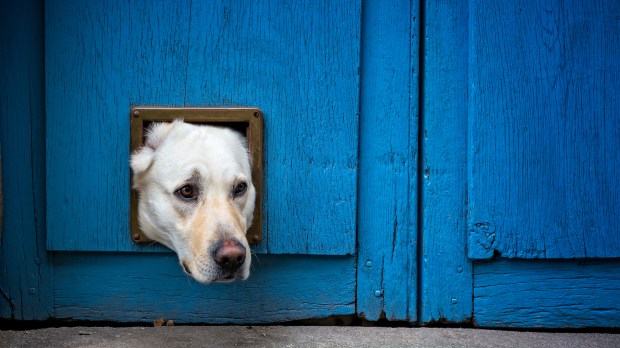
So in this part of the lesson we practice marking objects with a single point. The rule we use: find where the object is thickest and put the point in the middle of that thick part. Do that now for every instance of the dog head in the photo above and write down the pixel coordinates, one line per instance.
(195, 196)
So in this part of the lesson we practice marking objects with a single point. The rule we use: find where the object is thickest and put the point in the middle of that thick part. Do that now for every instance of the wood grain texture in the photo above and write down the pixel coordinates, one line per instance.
(387, 231)
(446, 273)
(25, 275)
(550, 293)
(297, 61)
(148, 286)
(544, 129)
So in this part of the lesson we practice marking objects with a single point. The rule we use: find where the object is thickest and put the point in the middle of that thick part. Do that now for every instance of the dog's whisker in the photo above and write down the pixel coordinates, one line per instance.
(256, 257)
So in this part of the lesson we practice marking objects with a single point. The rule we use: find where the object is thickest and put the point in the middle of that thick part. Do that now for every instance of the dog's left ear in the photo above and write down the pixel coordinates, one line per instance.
(142, 159)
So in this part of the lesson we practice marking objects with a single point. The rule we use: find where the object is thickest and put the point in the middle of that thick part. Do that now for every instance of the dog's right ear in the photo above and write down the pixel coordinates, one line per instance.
(142, 159)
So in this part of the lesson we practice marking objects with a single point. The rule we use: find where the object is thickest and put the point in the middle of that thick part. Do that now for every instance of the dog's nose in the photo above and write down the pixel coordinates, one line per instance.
(230, 254)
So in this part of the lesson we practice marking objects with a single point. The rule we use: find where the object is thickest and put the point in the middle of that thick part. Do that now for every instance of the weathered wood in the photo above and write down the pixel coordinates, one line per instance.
(446, 273)
(387, 265)
(558, 293)
(297, 61)
(25, 275)
(544, 129)
(144, 287)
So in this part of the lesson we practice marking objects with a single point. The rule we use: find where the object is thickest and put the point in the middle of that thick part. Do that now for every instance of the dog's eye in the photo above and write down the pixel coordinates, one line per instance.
(240, 189)
(187, 192)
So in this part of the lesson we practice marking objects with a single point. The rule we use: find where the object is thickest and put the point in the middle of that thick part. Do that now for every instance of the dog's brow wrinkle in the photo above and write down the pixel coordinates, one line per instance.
(199, 172)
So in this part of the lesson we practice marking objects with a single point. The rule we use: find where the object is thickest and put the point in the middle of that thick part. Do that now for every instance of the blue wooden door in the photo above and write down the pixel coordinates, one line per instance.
(522, 156)
(544, 160)
(335, 85)
(297, 61)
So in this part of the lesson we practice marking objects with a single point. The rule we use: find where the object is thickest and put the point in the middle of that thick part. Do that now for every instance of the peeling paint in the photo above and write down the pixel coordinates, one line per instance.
(481, 240)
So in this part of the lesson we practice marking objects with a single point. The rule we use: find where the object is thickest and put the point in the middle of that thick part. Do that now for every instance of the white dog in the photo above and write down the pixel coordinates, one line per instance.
(196, 197)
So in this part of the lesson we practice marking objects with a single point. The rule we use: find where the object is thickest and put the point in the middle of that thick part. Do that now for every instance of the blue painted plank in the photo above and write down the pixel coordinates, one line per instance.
(100, 57)
(387, 231)
(25, 272)
(297, 61)
(544, 294)
(446, 273)
(144, 287)
(544, 129)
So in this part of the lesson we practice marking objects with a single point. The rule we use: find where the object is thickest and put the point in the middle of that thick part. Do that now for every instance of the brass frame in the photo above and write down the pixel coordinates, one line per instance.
(253, 117)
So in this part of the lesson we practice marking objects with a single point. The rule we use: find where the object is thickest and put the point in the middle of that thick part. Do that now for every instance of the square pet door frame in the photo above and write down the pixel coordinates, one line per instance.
(246, 120)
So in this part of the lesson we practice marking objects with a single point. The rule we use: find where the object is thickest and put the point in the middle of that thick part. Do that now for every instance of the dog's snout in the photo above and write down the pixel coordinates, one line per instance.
(229, 254)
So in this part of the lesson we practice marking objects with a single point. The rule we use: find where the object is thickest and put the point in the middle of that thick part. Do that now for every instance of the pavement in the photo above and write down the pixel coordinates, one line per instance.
(296, 336)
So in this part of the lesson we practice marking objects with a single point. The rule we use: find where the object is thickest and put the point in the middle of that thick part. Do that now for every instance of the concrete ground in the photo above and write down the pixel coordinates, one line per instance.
(296, 336)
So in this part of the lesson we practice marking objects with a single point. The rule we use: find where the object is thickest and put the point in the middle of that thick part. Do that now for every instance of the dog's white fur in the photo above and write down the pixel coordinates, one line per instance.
(213, 160)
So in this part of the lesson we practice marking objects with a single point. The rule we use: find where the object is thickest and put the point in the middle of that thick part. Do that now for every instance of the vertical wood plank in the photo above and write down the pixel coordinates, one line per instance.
(297, 61)
(544, 133)
(446, 273)
(387, 231)
(100, 58)
(25, 269)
